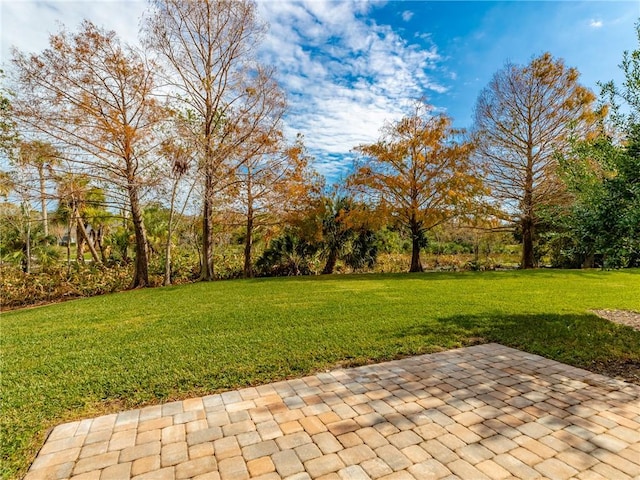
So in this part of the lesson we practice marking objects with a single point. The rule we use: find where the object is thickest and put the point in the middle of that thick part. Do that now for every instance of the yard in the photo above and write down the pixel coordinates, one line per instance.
(87, 357)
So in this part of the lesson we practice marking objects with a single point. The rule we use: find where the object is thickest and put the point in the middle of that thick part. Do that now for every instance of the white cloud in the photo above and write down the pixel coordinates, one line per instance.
(407, 15)
(345, 75)
(27, 25)
(596, 23)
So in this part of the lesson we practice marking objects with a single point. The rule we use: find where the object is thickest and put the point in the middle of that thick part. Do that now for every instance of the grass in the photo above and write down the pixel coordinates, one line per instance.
(91, 356)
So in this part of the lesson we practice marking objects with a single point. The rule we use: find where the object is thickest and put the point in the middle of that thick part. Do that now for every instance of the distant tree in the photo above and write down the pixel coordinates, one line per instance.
(627, 94)
(523, 119)
(76, 194)
(419, 173)
(98, 99)
(42, 156)
(22, 237)
(273, 181)
(603, 176)
(208, 49)
(180, 159)
(346, 233)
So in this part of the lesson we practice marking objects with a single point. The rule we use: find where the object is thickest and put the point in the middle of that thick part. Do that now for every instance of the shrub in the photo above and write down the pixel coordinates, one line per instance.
(19, 289)
(288, 255)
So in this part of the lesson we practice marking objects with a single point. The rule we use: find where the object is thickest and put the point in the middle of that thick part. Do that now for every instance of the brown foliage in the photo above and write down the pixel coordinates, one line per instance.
(19, 289)
(418, 174)
(524, 117)
(207, 47)
(95, 98)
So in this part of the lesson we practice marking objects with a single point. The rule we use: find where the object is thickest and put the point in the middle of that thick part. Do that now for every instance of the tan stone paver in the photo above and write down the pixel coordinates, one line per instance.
(486, 411)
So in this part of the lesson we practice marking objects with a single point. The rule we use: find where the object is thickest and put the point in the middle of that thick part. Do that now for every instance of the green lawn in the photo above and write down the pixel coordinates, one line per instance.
(87, 357)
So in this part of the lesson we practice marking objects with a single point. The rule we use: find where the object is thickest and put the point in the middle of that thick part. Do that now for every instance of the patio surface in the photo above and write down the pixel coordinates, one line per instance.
(480, 412)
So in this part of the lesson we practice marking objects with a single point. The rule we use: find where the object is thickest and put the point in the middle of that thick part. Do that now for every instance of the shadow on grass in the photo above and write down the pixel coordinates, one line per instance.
(582, 340)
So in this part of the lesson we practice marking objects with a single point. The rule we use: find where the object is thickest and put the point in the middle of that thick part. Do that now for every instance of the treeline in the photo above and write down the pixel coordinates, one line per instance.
(170, 163)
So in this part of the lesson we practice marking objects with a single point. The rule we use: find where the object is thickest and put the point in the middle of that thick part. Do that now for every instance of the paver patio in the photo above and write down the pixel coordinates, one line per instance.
(480, 412)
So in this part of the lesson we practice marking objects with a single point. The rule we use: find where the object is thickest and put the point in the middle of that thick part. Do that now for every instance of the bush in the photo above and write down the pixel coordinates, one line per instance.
(19, 289)
(288, 255)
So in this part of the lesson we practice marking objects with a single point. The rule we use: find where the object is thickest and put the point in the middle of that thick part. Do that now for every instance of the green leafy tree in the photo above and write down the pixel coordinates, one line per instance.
(603, 224)
(603, 175)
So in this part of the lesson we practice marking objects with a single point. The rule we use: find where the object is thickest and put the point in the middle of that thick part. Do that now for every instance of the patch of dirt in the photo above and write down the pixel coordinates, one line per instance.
(627, 370)
(625, 317)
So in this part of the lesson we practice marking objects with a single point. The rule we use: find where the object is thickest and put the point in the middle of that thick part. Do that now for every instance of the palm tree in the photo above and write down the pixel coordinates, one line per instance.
(75, 193)
(345, 235)
(43, 157)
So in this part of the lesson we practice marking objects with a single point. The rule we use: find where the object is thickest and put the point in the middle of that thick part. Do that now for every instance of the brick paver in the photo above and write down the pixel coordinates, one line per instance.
(486, 411)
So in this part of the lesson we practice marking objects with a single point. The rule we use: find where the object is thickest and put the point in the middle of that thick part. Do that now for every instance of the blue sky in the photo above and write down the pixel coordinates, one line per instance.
(349, 66)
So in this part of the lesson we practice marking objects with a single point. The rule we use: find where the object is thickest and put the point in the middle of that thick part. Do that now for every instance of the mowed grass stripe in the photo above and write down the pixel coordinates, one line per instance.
(108, 353)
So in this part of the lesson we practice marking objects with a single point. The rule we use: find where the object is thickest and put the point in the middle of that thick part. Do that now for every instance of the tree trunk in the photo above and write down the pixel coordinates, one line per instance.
(331, 262)
(248, 244)
(85, 236)
(528, 258)
(69, 244)
(99, 242)
(207, 272)
(79, 241)
(416, 265)
(248, 240)
(43, 201)
(167, 256)
(27, 263)
(589, 260)
(141, 274)
(124, 246)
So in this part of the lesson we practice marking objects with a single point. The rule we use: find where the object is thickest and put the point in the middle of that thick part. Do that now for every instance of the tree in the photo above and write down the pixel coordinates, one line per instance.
(179, 157)
(419, 174)
(603, 176)
(288, 255)
(75, 193)
(628, 94)
(523, 118)
(22, 235)
(207, 47)
(346, 233)
(261, 164)
(43, 157)
(8, 131)
(604, 220)
(97, 98)
(273, 181)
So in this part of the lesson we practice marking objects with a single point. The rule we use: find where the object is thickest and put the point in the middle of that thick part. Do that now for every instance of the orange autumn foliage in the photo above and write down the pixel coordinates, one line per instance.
(419, 174)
